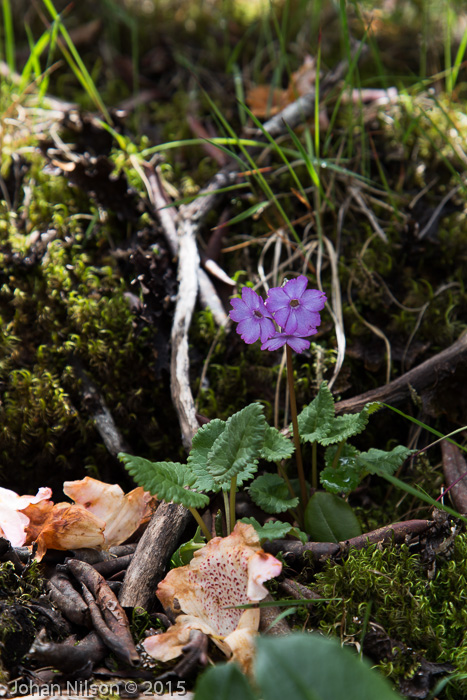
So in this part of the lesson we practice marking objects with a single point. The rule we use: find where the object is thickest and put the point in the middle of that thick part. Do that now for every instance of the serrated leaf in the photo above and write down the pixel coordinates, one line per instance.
(328, 518)
(237, 449)
(276, 446)
(345, 475)
(202, 443)
(270, 493)
(167, 480)
(375, 461)
(275, 530)
(314, 422)
(343, 427)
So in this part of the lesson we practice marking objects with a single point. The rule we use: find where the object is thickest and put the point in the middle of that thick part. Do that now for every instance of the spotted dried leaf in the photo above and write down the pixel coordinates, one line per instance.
(228, 571)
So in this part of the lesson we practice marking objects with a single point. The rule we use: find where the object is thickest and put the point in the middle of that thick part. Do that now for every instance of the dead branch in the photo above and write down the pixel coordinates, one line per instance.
(108, 617)
(67, 599)
(319, 551)
(102, 418)
(168, 220)
(439, 373)
(119, 646)
(149, 564)
(182, 397)
(455, 471)
(68, 657)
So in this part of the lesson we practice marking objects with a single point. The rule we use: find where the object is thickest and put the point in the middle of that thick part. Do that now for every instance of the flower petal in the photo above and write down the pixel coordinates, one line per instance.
(218, 576)
(69, 526)
(313, 300)
(13, 523)
(251, 299)
(274, 343)
(249, 329)
(240, 310)
(121, 513)
(277, 299)
(298, 344)
(295, 288)
(169, 645)
(261, 567)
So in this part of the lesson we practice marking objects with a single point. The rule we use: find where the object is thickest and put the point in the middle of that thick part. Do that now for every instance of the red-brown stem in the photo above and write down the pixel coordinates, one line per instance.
(296, 435)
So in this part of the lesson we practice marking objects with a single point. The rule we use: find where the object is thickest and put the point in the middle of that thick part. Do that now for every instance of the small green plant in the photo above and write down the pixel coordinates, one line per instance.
(302, 666)
(226, 455)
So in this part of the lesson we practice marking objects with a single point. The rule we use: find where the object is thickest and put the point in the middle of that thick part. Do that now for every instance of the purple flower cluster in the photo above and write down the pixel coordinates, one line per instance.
(293, 307)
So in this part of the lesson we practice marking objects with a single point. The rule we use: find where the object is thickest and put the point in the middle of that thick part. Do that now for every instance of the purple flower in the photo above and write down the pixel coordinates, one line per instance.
(296, 342)
(295, 308)
(253, 318)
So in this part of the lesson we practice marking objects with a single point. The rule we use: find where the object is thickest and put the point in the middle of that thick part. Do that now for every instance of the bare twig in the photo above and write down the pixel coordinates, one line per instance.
(149, 564)
(103, 420)
(319, 551)
(427, 379)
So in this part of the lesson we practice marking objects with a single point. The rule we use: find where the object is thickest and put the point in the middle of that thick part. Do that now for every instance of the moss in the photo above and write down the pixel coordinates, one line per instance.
(63, 309)
(428, 616)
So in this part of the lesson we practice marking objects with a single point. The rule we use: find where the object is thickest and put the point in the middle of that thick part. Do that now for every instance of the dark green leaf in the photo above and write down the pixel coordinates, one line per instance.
(314, 422)
(348, 425)
(184, 554)
(276, 446)
(375, 461)
(313, 667)
(224, 682)
(270, 493)
(166, 480)
(203, 441)
(237, 449)
(328, 518)
(274, 530)
(345, 476)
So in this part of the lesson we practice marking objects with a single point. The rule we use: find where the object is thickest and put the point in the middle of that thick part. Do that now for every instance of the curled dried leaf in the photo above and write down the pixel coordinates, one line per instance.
(122, 513)
(228, 571)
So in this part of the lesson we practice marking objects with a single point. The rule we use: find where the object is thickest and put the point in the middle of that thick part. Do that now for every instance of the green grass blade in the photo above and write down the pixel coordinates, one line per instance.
(75, 62)
(422, 495)
(9, 35)
(459, 58)
(279, 150)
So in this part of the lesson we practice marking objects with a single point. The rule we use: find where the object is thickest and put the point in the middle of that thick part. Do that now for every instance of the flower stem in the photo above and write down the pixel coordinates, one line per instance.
(233, 493)
(201, 523)
(283, 474)
(335, 461)
(296, 435)
(227, 511)
(314, 465)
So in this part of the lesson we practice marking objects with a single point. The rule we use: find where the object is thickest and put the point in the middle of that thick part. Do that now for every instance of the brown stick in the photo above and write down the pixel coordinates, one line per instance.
(426, 379)
(455, 471)
(152, 555)
(319, 551)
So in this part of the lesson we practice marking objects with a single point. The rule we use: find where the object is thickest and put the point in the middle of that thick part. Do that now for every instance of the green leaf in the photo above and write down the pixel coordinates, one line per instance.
(314, 422)
(328, 518)
(276, 446)
(202, 443)
(238, 448)
(167, 480)
(184, 554)
(343, 427)
(270, 493)
(345, 476)
(224, 682)
(375, 461)
(275, 530)
(313, 667)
